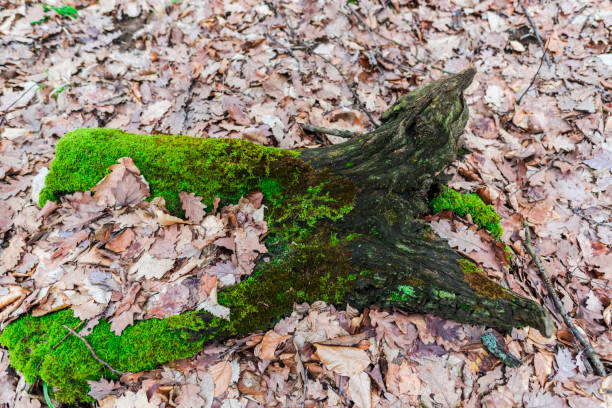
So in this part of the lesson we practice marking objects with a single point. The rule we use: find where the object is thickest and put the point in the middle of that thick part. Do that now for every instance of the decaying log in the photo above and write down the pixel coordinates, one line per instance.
(344, 225)
(344, 219)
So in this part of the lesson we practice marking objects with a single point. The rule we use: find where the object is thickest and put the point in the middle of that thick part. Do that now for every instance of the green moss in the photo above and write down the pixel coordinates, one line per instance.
(481, 283)
(313, 270)
(227, 168)
(68, 367)
(482, 214)
(308, 262)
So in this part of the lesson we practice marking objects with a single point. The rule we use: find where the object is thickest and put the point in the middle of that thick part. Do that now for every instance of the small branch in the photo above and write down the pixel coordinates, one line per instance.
(335, 132)
(42, 360)
(350, 86)
(295, 39)
(93, 353)
(535, 31)
(518, 102)
(588, 349)
(377, 54)
(366, 27)
(14, 102)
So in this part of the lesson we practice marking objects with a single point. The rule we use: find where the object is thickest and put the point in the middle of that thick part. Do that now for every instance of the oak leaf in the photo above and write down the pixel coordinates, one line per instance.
(123, 186)
(192, 204)
(221, 374)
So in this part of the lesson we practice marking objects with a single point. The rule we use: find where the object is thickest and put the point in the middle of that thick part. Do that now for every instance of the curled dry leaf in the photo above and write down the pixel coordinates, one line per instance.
(346, 361)
(11, 293)
(121, 241)
(166, 219)
(271, 340)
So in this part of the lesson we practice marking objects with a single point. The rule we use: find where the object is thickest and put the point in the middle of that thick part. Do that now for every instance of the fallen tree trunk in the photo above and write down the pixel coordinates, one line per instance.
(344, 228)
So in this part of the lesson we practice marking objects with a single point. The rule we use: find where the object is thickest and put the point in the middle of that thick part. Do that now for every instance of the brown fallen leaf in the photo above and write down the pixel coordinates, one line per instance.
(10, 294)
(346, 361)
(271, 340)
(192, 204)
(542, 362)
(166, 219)
(102, 388)
(360, 390)
(238, 114)
(125, 185)
(12, 254)
(252, 384)
(121, 242)
(255, 199)
(222, 375)
(402, 379)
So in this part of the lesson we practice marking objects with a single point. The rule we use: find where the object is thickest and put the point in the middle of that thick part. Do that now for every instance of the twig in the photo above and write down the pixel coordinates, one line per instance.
(535, 31)
(289, 50)
(579, 212)
(366, 27)
(356, 98)
(407, 48)
(310, 51)
(42, 360)
(518, 102)
(379, 56)
(93, 353)
(15, 101)
(335, 132)
(588, 349)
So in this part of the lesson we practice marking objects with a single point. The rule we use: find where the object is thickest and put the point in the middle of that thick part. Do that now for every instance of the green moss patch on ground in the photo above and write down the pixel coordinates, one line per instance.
(299, 200)
(462, 204)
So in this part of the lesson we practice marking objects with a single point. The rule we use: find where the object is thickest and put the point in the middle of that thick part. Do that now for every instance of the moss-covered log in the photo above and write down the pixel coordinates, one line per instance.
(344, 228)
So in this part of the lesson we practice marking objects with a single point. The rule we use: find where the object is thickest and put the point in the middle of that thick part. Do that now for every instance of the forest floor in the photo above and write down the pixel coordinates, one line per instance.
(540, 136)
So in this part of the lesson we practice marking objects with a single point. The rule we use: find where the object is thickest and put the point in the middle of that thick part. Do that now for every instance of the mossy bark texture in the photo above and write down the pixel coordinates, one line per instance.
(343, 220)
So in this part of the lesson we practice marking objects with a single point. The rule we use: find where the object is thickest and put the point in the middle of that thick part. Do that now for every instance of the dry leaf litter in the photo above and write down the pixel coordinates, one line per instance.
(255, 70)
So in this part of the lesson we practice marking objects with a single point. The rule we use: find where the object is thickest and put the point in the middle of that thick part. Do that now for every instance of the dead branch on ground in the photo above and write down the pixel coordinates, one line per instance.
(588, 349)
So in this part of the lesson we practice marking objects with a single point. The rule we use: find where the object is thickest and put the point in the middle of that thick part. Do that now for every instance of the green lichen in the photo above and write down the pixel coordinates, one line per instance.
(404, 293)
(482, 214)
(307, 263)
(481, 283)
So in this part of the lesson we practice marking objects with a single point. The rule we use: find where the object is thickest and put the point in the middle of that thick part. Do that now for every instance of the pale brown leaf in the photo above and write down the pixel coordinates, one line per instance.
(221, 374)
(271, 340)
(121, 242)
(343, 360)
(194, 209)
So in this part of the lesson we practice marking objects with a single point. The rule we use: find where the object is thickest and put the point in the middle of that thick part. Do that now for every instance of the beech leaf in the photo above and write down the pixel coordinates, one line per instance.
(346, 361)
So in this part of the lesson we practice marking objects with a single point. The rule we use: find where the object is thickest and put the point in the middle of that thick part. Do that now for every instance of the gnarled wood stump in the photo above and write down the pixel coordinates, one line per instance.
(344, 228)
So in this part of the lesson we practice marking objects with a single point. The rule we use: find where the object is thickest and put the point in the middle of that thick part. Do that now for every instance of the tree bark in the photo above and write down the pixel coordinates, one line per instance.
(397, 263)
